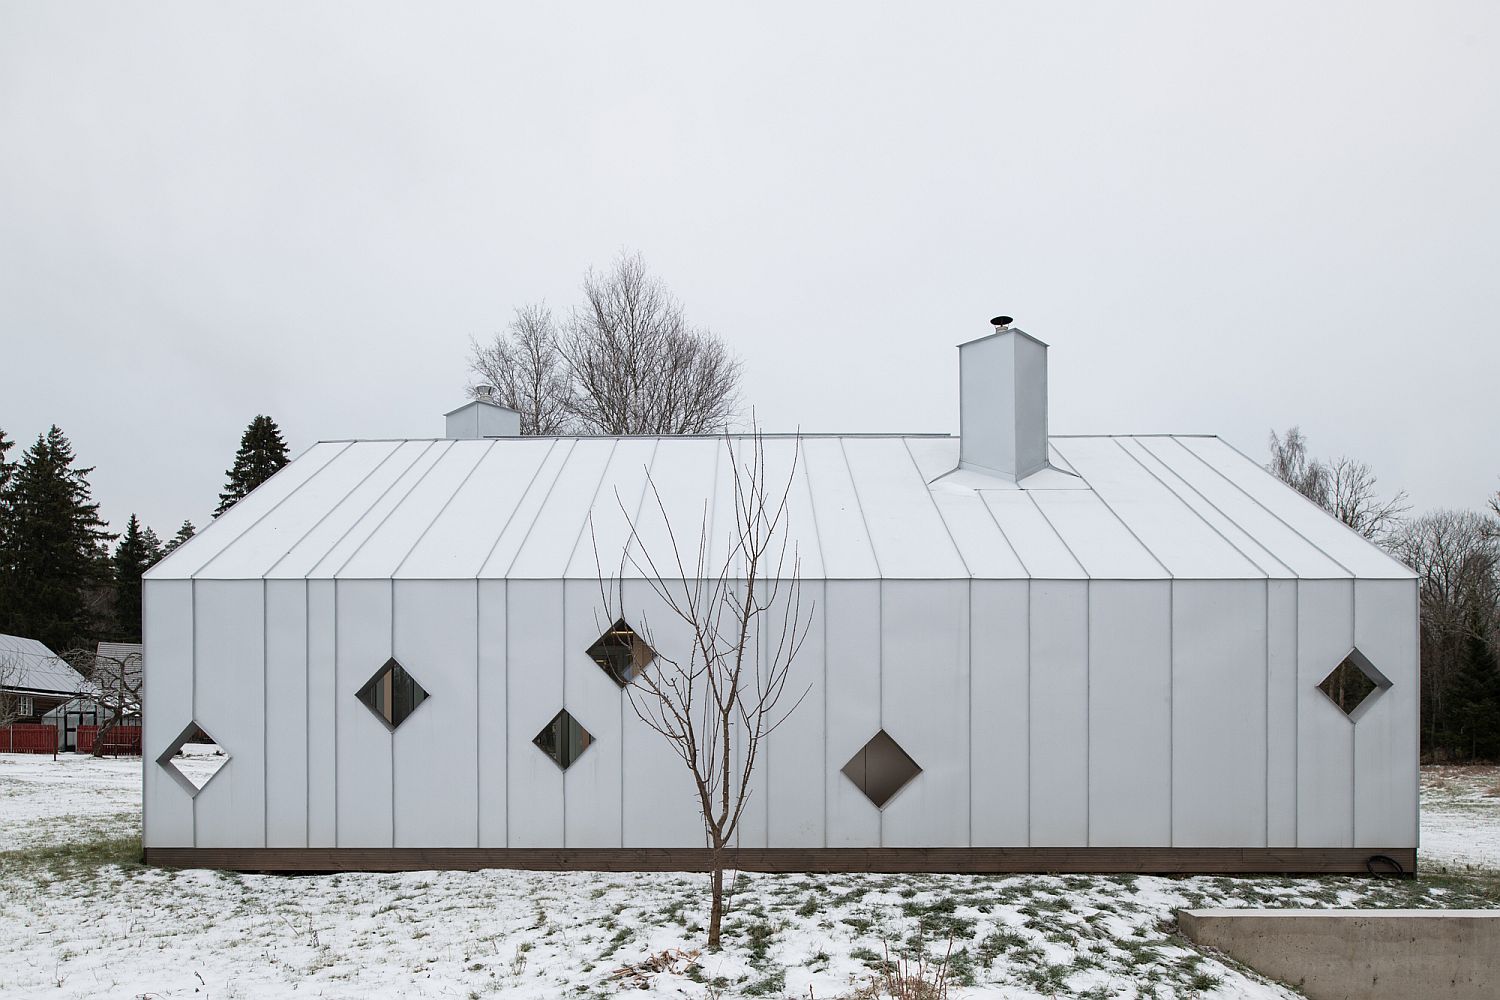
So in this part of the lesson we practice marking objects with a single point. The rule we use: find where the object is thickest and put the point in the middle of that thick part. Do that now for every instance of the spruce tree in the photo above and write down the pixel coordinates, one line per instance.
(262, 453)
(137, 551)
(54, 557)
(183, 534)
(6, 468)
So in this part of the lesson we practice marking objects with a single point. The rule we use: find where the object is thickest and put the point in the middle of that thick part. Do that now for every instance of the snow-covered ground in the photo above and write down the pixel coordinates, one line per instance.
(1461, 817)
(79, 917)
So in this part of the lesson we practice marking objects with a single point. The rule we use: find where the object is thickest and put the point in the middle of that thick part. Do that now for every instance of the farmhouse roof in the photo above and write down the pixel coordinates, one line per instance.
(861, 507)
(28, 665)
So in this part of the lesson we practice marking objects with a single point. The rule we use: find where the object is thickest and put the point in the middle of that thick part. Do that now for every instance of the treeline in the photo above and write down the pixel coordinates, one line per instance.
(1456, 556)
(65, 578)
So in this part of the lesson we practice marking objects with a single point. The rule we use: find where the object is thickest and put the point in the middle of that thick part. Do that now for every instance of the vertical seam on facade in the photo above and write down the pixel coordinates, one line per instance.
(1030, 656)
(1171, 713)
(563, 641)
(520, 500)
(356, 522)
(1297, 713)
(193, 677)
(1267, 726)
(307, 714)
(1353, 728)
(433, 520)
(268, 511)
(331, 508)
(392, 733)
(335, 796)
(394, 507)
(880, 669)
(1088, 713)
(826, 772)
(265, 725)
(508, 775)
(969, 708)
(478, 726)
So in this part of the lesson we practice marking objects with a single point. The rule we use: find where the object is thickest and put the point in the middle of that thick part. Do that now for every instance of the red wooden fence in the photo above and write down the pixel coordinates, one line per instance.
(120, 740)
(28, 738)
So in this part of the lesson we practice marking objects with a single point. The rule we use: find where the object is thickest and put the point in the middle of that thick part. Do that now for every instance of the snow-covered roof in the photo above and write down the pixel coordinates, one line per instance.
(28, 665)
(862, 507)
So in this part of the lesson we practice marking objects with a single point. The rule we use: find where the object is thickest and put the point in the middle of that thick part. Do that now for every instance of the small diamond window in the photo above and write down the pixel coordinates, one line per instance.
(564, 740)
(881, 768)
(193, 759)
(621, 653)
(392, 694)
(1354, 685)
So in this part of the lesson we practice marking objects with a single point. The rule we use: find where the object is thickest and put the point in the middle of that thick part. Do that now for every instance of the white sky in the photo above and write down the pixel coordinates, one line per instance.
(1222, 219)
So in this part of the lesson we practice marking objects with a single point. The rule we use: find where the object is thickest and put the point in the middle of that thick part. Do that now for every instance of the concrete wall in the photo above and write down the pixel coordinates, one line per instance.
(1153, 713)
(1361, 954)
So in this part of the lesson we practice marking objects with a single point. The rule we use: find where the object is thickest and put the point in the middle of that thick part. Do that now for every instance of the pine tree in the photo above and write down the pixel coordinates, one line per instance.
(6, 468)
(138, 551)
(1474, 700)
(183, 534)
(54, 557)
(262, 453)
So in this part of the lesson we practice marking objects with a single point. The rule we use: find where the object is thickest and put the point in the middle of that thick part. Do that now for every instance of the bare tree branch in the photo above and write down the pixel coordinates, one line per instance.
(716, 701)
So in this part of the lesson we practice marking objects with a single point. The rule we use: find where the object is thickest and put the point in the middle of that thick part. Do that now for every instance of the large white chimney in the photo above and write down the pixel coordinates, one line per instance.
(1003, 403)
(482, 417)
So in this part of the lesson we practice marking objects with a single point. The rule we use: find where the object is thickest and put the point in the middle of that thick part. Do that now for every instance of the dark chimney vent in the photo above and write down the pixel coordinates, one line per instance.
(1001, 322)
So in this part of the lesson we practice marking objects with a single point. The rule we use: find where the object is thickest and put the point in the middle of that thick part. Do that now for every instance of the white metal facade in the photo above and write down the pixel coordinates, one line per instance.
(1119, 651)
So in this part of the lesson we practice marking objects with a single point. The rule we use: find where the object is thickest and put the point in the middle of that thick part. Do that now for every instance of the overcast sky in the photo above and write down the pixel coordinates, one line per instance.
(1222, 219)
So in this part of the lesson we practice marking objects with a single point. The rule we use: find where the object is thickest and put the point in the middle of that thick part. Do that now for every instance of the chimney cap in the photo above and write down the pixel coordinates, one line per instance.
(1001, 322)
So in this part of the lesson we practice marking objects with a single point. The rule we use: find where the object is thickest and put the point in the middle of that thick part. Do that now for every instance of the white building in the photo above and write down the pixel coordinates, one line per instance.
(1086, 653)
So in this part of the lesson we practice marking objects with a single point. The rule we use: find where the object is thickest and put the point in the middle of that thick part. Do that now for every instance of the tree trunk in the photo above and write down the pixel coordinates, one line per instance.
(716, 912)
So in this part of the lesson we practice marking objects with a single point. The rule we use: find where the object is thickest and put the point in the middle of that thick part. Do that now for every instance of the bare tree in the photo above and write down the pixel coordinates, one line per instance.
(117, 682)
(1291, 463)
(1344, 487)
(10, 702)
(626, 361)
(526, 370)
(716, 701)
(1456, 556)
(1353, 500)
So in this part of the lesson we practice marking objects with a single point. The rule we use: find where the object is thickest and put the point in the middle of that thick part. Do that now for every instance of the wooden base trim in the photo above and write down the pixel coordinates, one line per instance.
(969, 860)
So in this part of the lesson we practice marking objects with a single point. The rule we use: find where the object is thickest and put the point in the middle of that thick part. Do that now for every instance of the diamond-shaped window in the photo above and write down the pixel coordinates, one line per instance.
(1353, 685)
(881, 768)
(563, 739)
(193, 759)
(392, 694)
(621, 653)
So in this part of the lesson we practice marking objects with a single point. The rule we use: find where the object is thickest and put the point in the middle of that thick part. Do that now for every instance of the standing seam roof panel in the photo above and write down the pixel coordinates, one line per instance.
(845, 541)
(626, 484)
(220, 533)
(909, 536)
(548, 547)
(1170, 530)
(1355, 554)
(684, 476)
(1295, 552)
(255, 551)
(1096, 537)
(387, 547)
(1039, 547)
(370, 521)
(509, 538)
(300, 559)
(455, 546)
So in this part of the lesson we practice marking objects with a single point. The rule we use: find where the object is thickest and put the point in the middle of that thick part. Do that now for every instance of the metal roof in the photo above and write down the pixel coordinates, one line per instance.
(861, 507)
(36, 668)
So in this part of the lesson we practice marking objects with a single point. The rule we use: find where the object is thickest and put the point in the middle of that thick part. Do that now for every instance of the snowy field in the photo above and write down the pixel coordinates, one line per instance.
(80, 917)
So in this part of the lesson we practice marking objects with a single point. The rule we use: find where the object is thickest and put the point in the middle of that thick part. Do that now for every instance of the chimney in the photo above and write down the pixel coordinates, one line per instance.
(1003, 402)
(482, 417)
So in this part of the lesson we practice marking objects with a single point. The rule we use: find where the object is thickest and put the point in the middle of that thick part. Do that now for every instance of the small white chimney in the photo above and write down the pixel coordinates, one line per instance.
(482, 417)
(1003, 402)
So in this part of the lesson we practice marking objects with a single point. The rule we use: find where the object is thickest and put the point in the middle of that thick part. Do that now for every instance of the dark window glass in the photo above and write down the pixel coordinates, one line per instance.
(1352, 683)
(881, 768)
(392, 694)
(621, 653)
(563, 739)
